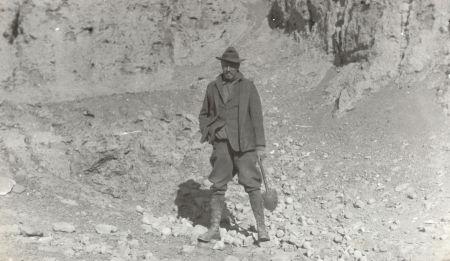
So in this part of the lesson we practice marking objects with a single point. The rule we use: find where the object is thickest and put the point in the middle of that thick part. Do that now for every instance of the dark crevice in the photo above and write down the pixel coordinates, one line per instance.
(90, 29)
(448, 27)
(343, 57)
(15, 28)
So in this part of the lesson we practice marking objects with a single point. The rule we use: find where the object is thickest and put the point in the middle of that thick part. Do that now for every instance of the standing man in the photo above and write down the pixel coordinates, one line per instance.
(231, 120)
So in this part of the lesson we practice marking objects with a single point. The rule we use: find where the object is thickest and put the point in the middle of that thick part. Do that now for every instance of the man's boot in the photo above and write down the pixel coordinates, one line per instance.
(217, 203)
(256, 201)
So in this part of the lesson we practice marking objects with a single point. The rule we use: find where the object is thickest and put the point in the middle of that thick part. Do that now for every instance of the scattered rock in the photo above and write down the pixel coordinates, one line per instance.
(359, 204)
(337, 239)
(30, 232)
(307, 245)
(140, 209)
(348, 215)
(9, 230)
(207, 183)
(166, 231)
(18, 189)
(69, 252)
(105, 229)
(315, 232)
(197, 231)
(134, 244)
(401, 187)
(70, 202)
(280, 233)
(357, 254)
(238, 242)
(64, 227)
(289, 200)
(6, 185)
(220, 245)
(371, 201)
(188, 248)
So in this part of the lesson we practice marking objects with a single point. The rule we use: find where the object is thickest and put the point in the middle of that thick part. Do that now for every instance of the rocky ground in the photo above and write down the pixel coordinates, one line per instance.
(123, 176)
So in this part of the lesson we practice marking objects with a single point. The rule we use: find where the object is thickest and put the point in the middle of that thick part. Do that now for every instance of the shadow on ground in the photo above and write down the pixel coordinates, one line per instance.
(193, 203)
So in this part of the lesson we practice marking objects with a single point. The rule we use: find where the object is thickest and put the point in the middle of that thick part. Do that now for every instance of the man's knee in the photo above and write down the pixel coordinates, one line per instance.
(218, 190)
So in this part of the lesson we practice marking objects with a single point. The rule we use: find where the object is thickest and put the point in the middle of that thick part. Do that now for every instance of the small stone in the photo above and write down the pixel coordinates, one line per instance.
(444, 237)
(188, 248)
(297, 205)
(238, 242)
(289, 200)
(309, 221)
(315, 232)
(371, 201)
(151, 257)
(231, 258)
(166, 231)
(207, 183)
(348, 215)
(357, 254)
(197, 231)
(337, 239)
(341, 231)
(280, 233)
(307, 245)
(6, 185)
(228, 239)
(220, 245)
(239, 207)
(401, 187)
(64, 227)
(359, 204)
(393, 227)
(18, 189)
(70, 202)
(30, 232)
(429, 229)
(134, 244)
(69, 252)
(412, 195)
(105, 229)
(140, 209)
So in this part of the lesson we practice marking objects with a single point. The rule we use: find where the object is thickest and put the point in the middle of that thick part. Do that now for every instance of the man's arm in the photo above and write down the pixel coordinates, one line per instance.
(204, 112)
(256, 115)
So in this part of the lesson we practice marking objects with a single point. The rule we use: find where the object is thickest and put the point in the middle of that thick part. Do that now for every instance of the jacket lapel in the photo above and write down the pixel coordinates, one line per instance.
(244, 95)
(219, 86)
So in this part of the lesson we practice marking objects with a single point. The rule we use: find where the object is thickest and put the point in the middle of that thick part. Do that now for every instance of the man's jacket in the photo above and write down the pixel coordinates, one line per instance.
(250, 127)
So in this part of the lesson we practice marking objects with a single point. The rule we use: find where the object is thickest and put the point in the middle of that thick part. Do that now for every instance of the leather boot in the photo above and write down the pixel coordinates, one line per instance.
(256, 201)
(217, 203)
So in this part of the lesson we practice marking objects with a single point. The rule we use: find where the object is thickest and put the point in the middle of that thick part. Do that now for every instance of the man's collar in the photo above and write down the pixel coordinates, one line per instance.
(236, 78)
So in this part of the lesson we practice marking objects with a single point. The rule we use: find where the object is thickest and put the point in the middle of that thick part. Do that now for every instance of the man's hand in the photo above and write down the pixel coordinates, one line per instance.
(261, 154)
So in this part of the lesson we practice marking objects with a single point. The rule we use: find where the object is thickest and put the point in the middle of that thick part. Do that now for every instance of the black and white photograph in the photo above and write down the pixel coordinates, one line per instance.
(225, 130)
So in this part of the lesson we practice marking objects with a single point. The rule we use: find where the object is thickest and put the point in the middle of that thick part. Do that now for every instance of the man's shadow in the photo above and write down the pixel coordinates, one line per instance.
(193, 202)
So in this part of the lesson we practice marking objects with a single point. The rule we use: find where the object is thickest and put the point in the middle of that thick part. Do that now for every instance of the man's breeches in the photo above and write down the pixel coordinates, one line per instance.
(226, 163)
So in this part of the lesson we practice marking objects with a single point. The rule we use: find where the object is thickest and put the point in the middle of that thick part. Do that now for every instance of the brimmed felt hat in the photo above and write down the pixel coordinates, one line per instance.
(230, 55)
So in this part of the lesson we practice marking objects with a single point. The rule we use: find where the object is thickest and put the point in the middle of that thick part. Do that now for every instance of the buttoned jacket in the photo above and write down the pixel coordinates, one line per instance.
(250, 117)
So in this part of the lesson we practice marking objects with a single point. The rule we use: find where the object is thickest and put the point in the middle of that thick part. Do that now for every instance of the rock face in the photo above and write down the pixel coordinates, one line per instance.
(59, 49)
(51, 44)
(372, 41)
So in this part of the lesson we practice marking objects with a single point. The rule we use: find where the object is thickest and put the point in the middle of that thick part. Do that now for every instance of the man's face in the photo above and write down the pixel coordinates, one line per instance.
(229, 69)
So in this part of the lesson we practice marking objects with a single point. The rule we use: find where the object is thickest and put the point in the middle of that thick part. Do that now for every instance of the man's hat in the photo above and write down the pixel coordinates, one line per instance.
(230, 55)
